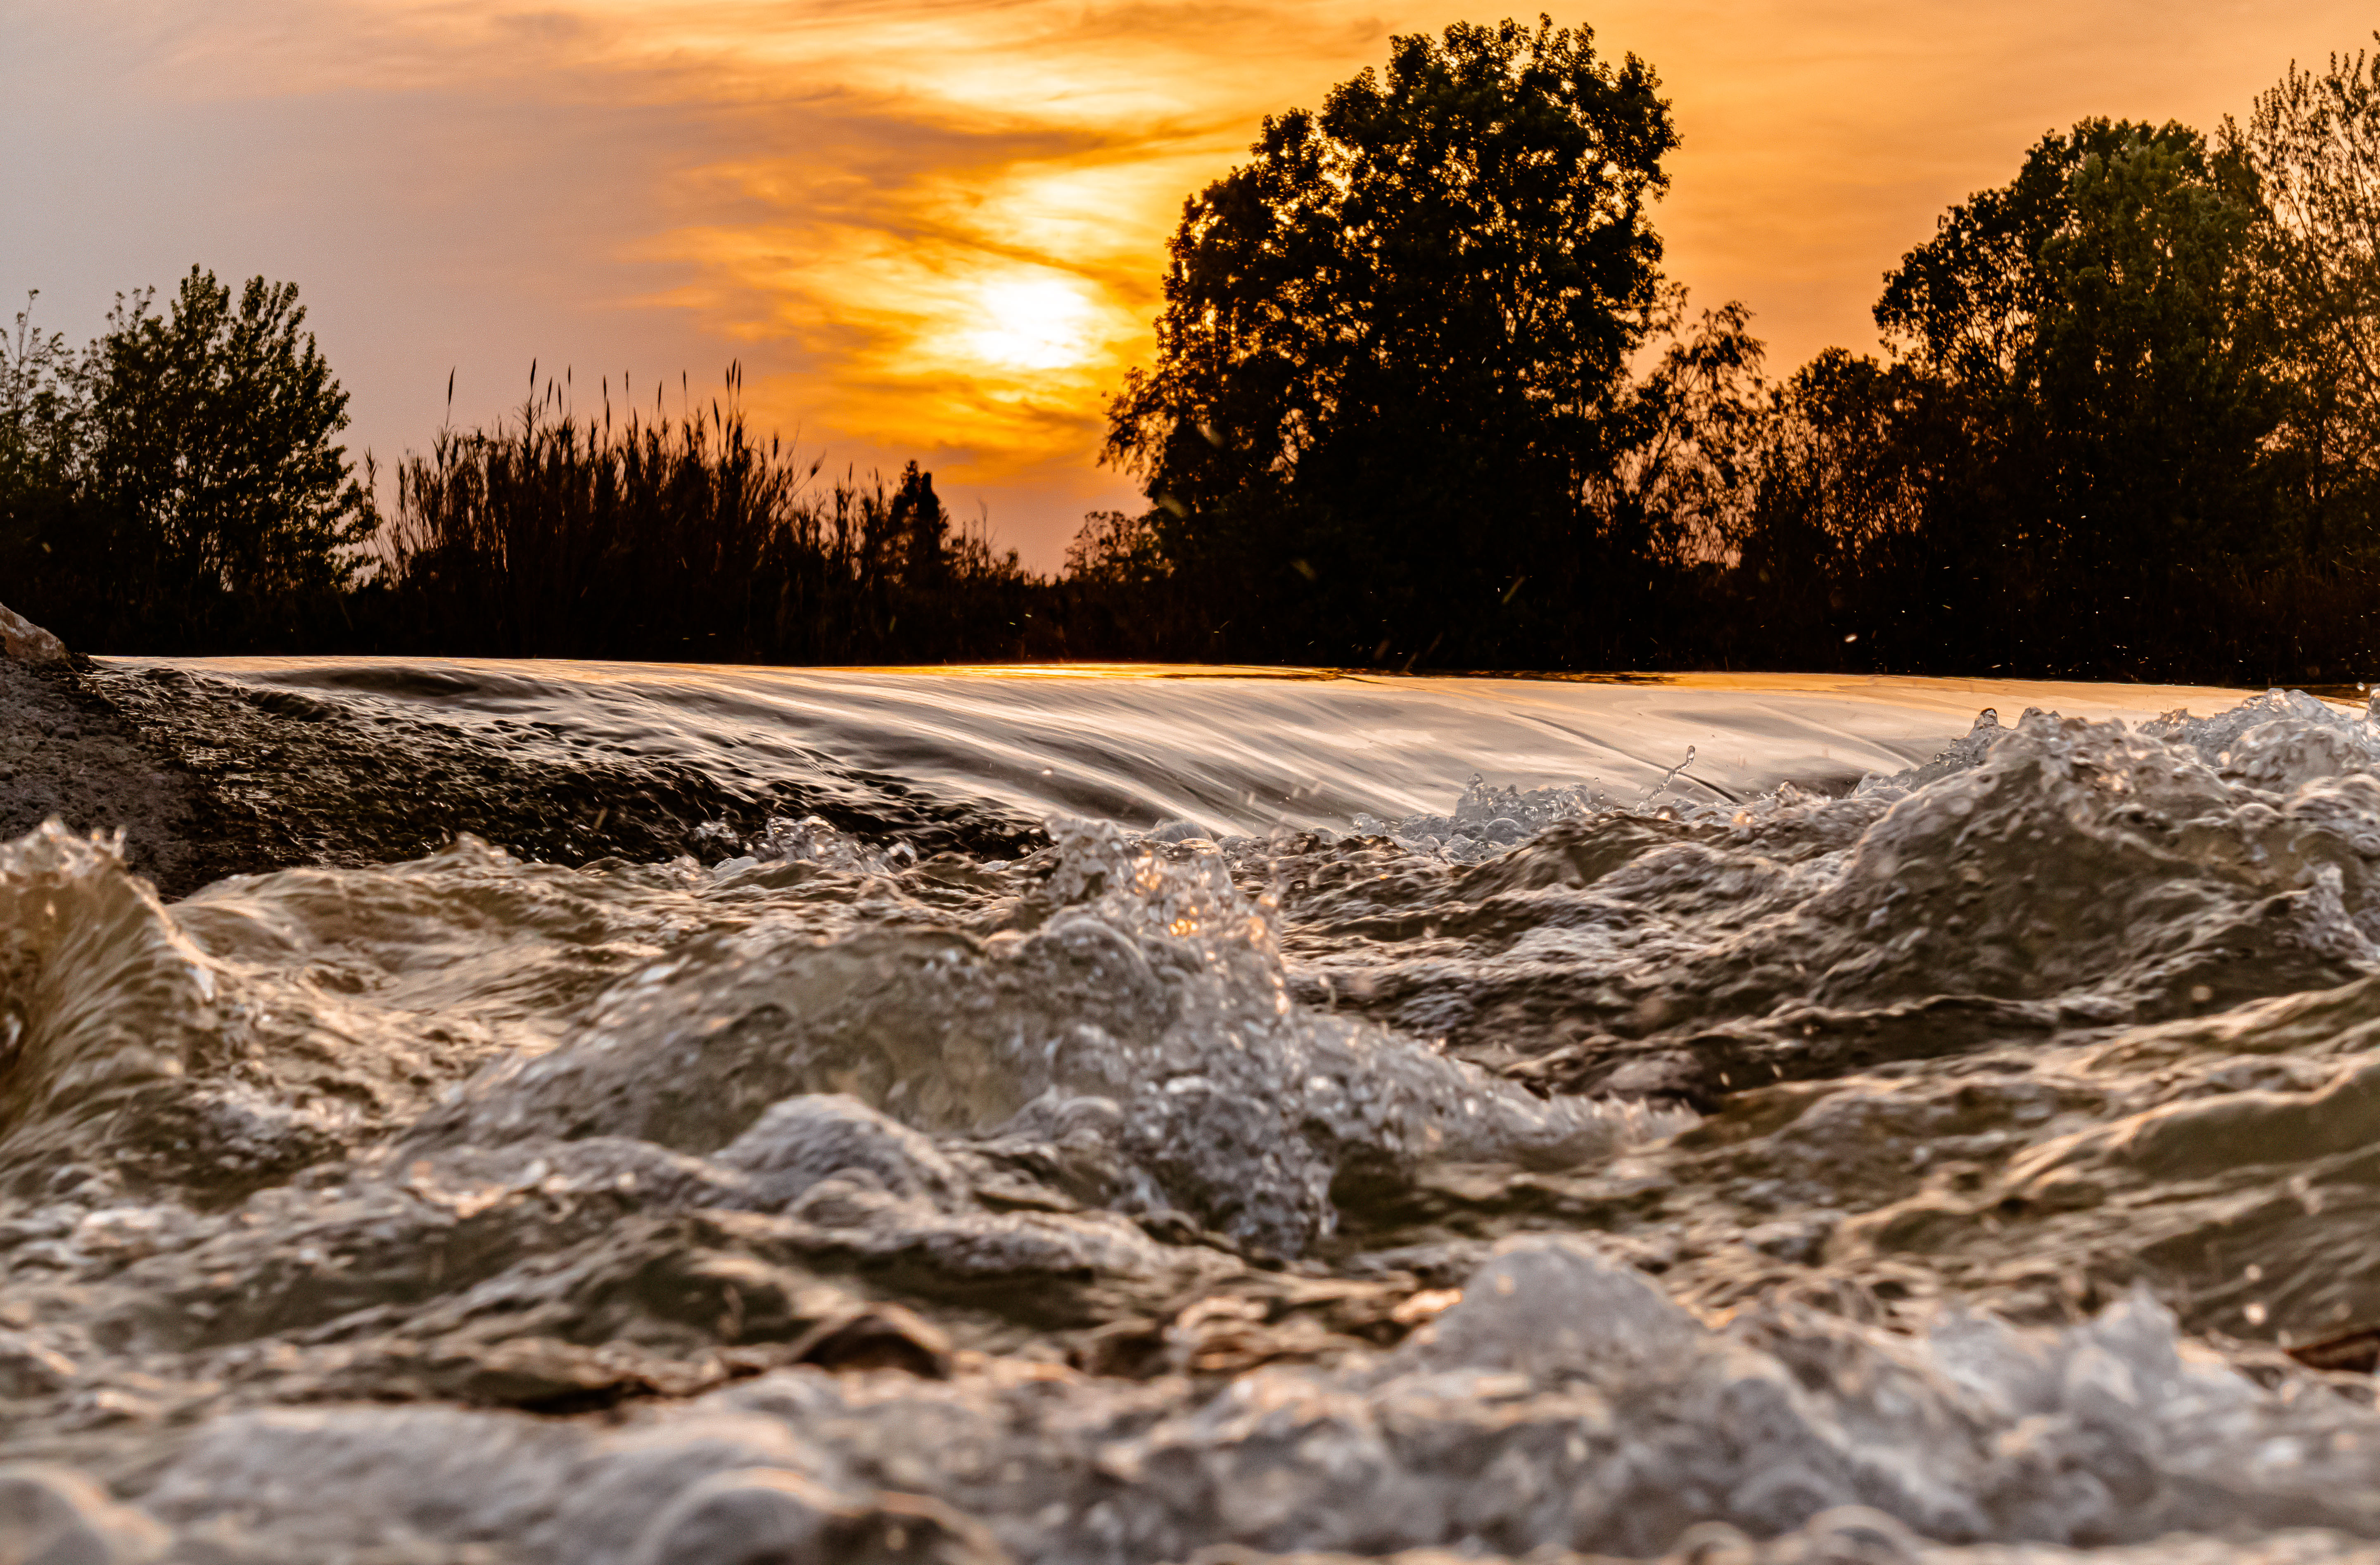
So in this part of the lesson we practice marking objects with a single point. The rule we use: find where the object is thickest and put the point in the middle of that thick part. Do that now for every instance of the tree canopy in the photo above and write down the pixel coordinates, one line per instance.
(2312, 143)
(213, 440)
(2079, 438)
(2097, 320)
(1393, 342)
(184, 469)
(1422, 397)
(1421, 392)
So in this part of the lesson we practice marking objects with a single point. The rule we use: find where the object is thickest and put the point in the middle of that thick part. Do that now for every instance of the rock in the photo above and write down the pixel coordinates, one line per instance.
(55, 1516)
(23, 641)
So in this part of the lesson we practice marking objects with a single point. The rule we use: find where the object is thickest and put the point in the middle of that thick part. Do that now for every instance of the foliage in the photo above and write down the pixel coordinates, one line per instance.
(555, 536)
(2126, 426)
(212, 442)
(180, 482)
(1682, 440)
(2314, 145)
(1391, 341)
(2077, 422)
(40, 430)
(1421, 399)
(40, 402)
(1115, 548)
(2096, 321)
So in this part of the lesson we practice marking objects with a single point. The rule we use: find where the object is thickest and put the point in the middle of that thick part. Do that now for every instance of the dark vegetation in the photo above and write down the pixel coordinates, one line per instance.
(687, 539)
(176, 485)
(1422, 397)
(173, 488)
(1419, 396)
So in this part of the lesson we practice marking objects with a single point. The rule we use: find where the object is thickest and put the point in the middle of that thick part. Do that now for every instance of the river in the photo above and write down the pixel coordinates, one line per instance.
(1104, 1114)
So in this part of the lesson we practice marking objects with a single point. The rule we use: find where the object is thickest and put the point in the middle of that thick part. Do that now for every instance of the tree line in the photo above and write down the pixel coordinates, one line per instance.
(1421, 395)
(1423, 398)
(176, 487)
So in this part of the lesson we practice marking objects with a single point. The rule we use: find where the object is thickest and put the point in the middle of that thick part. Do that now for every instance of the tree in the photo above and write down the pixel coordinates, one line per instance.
(1680, 439)
(2314, 144)
(42, 429)
(2096, 327)
(1847, 544)
(39, 402)
(1116, 549)
(211, 457)
(1392, 344)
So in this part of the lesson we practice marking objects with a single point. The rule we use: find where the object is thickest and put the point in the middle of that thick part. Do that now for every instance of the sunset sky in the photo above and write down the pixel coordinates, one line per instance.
(934, 229)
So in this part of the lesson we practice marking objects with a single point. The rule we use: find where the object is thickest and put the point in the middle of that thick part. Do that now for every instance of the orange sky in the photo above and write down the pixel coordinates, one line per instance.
(934, 229)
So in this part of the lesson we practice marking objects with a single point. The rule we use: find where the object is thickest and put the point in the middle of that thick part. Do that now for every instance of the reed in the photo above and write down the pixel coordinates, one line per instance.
(640, 534)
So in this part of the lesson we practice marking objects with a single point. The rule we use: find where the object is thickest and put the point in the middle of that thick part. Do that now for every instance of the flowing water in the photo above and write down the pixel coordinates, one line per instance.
(1141, 1114)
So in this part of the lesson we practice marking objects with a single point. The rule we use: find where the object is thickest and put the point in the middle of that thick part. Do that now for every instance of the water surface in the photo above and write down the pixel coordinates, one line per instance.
(1368, 1115)
(1241, 750)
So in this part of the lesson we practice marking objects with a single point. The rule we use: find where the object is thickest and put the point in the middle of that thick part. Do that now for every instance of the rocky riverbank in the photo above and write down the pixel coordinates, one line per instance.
(207, 777)
(66, 752)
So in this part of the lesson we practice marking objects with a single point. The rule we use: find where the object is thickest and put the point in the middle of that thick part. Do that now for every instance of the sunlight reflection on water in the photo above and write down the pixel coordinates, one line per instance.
(1236, 749)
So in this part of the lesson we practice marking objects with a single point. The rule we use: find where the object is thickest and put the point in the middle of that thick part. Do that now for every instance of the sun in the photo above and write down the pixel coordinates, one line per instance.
(1033, 324)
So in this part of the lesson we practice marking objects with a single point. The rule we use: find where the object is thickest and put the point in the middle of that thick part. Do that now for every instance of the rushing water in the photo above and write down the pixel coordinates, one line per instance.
(1378, 1115)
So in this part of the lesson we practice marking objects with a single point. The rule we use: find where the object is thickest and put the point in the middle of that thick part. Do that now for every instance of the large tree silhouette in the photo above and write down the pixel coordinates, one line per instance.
(1392, 346)
(214, 444)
